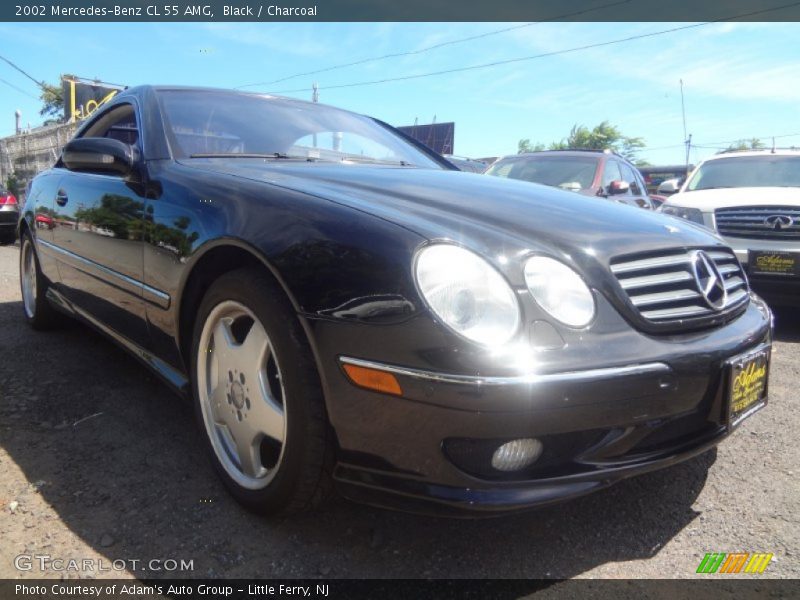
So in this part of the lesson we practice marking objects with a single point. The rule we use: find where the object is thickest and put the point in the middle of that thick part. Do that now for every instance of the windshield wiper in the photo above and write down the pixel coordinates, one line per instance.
(377, 161)
(273, 155)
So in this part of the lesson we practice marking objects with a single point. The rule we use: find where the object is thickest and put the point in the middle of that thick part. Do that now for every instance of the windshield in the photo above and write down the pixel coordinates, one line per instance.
(747, 171)
(573, 173)
(213, 123)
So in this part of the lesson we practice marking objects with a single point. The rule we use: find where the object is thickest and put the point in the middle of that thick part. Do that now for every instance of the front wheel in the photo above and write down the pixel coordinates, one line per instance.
(257, 396)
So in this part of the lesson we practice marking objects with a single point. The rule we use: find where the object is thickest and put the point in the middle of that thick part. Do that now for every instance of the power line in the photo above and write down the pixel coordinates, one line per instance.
(718, 144)
(544, 55)
(20, 90)
(38, 83)
(435, 46)
(723, 144)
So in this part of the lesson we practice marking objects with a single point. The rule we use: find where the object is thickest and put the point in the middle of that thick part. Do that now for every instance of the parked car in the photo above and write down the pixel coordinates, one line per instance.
(344, 309)
(588, 172)
(752, 199)
(9, 216)
(470, 165)
(654, 176)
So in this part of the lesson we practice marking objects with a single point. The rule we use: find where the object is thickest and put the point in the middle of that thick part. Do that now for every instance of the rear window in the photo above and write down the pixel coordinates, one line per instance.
(572, 173)
(3, 191)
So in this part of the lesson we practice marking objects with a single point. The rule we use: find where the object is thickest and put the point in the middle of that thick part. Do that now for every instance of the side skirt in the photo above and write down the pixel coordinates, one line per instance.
(175, 380)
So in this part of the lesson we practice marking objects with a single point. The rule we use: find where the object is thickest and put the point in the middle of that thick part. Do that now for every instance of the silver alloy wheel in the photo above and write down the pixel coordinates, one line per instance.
(28, 277)
(241, 395)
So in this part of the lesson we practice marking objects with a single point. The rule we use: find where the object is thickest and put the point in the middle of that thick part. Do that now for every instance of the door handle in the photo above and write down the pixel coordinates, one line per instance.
(61, 198)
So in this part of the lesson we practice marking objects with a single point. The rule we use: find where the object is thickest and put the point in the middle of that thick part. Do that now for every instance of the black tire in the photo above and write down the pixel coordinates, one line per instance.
(302, 479)
(8, 238)
(38, 313)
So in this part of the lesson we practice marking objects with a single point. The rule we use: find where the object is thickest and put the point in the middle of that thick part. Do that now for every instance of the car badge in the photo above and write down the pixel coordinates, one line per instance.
(778, 222)
(709, 280)
(672, 229)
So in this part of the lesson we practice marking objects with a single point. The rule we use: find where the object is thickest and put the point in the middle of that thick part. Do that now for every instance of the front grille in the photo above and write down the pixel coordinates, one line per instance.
(759, 222)
(663, 288)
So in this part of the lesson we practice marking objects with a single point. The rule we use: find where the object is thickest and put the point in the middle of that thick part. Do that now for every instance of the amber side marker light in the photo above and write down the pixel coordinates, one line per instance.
(373, 379)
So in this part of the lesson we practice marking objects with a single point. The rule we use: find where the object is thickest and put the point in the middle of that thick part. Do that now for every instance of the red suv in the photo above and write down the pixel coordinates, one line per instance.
(589, 172)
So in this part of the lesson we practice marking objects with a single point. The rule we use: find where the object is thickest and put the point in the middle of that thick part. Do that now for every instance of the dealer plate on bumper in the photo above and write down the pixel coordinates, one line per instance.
(747, 383)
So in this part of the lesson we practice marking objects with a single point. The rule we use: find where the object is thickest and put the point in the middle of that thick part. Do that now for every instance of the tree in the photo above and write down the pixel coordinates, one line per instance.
(525, 146)
(604, 136)
(52, 98)
(751, 144)
(13, 184)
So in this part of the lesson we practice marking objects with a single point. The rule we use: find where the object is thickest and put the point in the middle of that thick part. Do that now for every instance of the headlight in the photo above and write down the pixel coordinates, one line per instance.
(560, 291)
(468, 294)
(690, 214)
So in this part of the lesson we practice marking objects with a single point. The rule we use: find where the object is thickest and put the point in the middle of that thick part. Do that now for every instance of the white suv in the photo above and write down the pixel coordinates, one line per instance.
(751, 199)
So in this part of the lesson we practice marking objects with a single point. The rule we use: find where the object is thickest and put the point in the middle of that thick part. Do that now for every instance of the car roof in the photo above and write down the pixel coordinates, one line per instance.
(141, 89)
(569, 153)
(750, 153)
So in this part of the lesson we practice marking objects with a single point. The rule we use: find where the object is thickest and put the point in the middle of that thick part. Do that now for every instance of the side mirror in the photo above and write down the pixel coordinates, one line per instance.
(668, 187)
(617, 187)
(104, 155)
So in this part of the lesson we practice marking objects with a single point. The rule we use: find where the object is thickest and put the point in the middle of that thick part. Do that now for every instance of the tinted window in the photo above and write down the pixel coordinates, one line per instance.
(3, 191)
(573, 173)
(747, 171)
(611, 173)
(119, 124)
(214, 123)
(629, 176)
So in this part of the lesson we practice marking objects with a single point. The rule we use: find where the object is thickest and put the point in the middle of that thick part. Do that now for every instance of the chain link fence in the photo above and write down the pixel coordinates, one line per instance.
(24, 155)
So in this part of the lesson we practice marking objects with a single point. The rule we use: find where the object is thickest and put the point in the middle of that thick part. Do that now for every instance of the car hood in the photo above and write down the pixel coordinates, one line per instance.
(489, 214)
(709, 200)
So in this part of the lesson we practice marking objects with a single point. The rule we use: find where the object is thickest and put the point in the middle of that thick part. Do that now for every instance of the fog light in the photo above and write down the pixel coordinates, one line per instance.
(516, 455)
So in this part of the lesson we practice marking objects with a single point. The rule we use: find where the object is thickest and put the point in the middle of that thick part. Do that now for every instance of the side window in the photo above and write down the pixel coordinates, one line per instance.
(629, 176)
(118, 124)
(611, 173)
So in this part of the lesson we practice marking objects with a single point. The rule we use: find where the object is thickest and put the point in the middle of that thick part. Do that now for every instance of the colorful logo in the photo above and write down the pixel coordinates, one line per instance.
(740, 562)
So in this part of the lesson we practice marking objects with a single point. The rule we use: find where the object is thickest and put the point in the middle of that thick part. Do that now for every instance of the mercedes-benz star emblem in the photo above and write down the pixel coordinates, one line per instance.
(709, 280)
(778, 222)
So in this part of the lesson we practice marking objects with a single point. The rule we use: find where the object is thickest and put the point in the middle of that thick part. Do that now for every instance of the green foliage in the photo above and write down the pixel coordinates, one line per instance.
(52, 98)
(751, 144)
(14, 185)
(604, 136)
(525, 146)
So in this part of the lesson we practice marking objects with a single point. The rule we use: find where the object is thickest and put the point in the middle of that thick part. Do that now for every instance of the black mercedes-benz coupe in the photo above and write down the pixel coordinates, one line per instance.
(347, 312)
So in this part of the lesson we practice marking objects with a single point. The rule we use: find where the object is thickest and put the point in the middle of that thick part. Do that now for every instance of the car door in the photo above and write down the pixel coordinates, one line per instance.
(99, 238)
(638, 191)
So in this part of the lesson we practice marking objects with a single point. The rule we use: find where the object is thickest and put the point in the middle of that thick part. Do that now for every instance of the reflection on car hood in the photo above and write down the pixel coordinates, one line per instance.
(479, 210)
(732, 197)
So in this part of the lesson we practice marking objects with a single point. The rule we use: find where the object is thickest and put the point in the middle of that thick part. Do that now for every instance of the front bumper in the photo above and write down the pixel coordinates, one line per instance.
(427, 450)
(777, 289)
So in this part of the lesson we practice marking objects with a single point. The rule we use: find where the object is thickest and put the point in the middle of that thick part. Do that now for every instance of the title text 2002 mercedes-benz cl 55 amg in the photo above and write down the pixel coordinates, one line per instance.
(344, 308)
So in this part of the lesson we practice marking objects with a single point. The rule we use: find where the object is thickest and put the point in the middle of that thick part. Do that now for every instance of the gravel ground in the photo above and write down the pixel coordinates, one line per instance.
(98, 460)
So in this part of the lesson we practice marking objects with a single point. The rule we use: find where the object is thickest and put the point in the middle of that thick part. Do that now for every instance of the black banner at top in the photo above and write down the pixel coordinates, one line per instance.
(398, 10)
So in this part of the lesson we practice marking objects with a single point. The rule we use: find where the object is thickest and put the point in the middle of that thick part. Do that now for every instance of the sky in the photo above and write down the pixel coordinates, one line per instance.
(740, 80)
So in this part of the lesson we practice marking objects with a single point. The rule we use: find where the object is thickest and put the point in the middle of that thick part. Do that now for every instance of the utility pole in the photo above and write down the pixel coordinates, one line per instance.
(314, 98)
(18, 121)
(687, 139)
